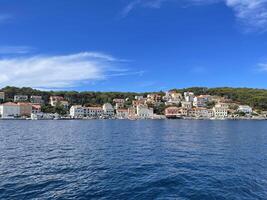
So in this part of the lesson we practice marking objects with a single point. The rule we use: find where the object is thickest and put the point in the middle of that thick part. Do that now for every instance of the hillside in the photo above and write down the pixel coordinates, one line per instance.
(257, 98)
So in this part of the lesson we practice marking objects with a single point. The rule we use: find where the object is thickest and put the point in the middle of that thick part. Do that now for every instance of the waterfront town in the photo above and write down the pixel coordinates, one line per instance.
(176, 106)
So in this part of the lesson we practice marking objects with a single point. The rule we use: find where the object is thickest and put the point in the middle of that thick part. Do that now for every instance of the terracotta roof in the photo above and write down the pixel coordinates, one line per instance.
(10, 104)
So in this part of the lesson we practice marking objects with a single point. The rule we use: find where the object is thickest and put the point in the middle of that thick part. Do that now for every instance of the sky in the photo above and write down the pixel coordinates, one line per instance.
(133, 45)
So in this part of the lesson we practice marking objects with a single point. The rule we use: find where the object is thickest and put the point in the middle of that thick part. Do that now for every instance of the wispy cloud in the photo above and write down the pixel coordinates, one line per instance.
(63, 71)
(5, 17)
(263, 67)
(16, 49)
(250, 13)
(142, 3)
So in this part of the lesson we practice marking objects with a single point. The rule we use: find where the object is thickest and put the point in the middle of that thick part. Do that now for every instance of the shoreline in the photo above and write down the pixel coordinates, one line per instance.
(186, 119)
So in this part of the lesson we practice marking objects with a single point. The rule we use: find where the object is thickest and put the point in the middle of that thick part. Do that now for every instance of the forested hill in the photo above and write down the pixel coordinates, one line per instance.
(256, 98)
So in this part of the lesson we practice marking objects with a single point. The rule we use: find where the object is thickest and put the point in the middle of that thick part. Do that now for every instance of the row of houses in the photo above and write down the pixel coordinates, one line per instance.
(35, 99)
(23, 106)
(178, 105)
(108, 111)
(21, 109)
(219, 111)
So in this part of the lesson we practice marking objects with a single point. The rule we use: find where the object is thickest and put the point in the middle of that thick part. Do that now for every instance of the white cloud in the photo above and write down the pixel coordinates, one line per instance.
(15, 49)
(142, 3)
(57, 71)
(251, 13)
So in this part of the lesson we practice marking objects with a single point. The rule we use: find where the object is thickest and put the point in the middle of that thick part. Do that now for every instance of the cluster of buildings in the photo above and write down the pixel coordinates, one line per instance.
(189, 105)
(108, 111)
(24, 106)
(174, 104)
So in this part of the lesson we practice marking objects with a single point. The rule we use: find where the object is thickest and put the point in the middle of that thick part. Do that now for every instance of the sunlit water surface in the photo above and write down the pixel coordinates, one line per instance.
(98, 159)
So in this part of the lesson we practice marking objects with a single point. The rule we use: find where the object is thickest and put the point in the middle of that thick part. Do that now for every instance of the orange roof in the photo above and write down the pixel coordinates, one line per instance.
(122, 110)
(10, 104)
(36, 106)
(24, 103)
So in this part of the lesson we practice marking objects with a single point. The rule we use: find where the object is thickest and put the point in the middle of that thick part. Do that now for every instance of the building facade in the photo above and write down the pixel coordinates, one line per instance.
(9, 110)
(144, 112)
(108, 109)
(20, 98)
(36, 99)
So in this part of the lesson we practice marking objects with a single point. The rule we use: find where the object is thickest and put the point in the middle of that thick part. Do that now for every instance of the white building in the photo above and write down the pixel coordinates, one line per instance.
(138, 97)
(245, 109)
(204, 113)
(20, 98)
(108, 109)
(172, 98)
(9, 110)
(93, 112)
(119, 103)
(77, 111)
(122, 113)
(65, 104)
(53, 100)
(187, 105)
(144, 112)
(220, 110)
(189, 96)
(36, 99)
(201, 101)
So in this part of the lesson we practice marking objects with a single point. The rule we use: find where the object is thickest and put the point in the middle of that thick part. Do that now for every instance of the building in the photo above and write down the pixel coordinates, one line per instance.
(108, 109)
(2, 96)
(36, 99)
(135, 103)
(36, 108)
(139, 97)
(20, 98)
(122, 113)
(144, 112)
(118, 100)
(172, 98)
(119, 103)
(203, 112)
(54, 100)
(132, 112)
(172, 112)
(95, 112)
(25, 109)
(9, 110)
(201, 101)
(189, 96)
(58, 100)
(65, 104)
(153, 99)
(220, 110)
(187, 105)
(77, 111)
(245, 109)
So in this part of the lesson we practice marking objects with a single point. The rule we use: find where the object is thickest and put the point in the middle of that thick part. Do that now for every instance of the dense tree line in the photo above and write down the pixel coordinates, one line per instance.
(257, 98)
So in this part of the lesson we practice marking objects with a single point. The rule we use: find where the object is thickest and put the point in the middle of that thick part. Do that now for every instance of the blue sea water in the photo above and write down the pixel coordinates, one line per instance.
(116, 159)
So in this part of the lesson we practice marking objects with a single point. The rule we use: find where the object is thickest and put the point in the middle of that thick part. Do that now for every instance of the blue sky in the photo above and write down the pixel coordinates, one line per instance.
(133, 45)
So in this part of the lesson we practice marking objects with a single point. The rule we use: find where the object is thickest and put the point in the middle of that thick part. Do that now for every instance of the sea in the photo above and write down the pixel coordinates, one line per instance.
(142, 159)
